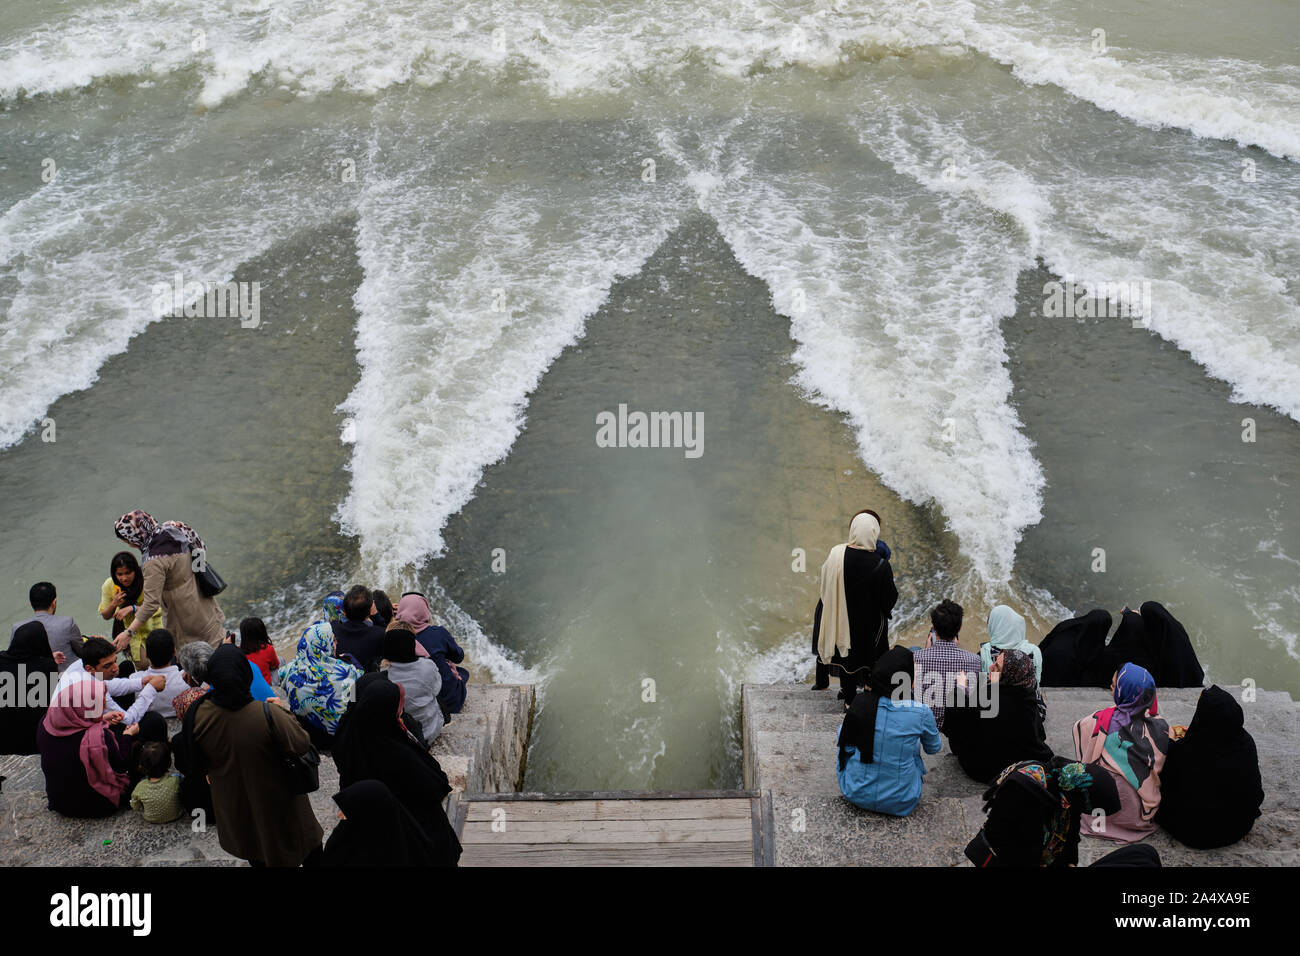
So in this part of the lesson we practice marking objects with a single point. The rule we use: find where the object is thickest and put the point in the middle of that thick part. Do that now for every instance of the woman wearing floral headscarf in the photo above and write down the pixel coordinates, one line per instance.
(1036, 811)
(318, 683)
(169, 581)
(1131, 742)
(334, 607)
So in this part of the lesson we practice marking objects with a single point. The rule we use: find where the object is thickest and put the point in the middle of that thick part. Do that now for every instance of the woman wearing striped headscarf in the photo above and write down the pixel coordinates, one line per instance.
(166, 550)
(1130, 741)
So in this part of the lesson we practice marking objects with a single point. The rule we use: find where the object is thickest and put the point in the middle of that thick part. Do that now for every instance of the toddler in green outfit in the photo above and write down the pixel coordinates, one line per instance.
(158, 794)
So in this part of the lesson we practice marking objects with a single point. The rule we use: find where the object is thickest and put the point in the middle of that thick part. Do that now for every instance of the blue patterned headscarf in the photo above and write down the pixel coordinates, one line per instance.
(1135, 692)
(334, 606)
(319, 684)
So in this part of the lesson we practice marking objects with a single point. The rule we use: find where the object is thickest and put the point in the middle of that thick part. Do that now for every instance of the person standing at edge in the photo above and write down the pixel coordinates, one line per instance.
(823, 676)
(851, 623)
(169, 581)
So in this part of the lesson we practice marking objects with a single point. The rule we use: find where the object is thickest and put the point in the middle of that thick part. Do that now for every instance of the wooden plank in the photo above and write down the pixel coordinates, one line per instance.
(718, 809)
(612, 831)
(619, 854)
(769, 832)
(614, 795)
(455, 812)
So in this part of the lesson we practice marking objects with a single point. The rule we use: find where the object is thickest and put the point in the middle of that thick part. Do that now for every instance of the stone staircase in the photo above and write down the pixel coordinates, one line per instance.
(482, 749)
(789, 733)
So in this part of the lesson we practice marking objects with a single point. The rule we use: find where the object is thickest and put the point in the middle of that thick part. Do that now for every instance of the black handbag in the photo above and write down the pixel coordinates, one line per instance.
(209, 581)
(300, 772)
(979, 852)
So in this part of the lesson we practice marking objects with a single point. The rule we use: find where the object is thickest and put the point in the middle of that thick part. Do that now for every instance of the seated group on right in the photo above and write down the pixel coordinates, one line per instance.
(1128, 772)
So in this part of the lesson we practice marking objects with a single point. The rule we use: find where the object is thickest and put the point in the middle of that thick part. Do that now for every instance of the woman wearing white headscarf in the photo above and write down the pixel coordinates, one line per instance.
(851, 623)
(1007, 633)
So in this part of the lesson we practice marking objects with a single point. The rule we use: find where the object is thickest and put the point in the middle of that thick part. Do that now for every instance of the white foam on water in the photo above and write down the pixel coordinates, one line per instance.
(789, 660)
(1218, 259)
(472, 288)
(314, 46)
(489, 660)
(895, 302)
(1223, 98)
(84, 253)
(148, 38)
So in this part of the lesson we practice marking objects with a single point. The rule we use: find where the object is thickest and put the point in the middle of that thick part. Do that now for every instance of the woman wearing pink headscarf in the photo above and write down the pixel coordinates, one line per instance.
(413, 609)
(84, 760)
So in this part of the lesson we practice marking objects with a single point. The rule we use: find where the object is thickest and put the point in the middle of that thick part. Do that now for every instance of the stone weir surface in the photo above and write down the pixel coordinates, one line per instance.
(789, 748)
(482, 749)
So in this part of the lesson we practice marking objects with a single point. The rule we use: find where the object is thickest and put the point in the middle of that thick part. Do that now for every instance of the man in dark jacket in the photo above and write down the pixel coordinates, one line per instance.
(357, 637)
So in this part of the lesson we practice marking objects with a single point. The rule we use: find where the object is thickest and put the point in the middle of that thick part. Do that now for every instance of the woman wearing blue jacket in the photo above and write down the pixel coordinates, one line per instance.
(880, 741)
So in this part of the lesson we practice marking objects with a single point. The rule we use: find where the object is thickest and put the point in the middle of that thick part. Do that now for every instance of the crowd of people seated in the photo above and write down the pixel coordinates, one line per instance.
(374, 684)
(1129, 771)
(370, 682)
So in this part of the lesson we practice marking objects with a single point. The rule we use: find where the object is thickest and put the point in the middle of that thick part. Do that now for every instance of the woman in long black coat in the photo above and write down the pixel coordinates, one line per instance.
(28, 655)
(851, 623)
(373, 744)
(989, 739)
(1074, 652)
(1210, 786)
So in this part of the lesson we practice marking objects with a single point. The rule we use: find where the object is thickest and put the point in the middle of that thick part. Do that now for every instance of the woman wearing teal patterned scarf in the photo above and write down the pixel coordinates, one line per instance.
(318, 683)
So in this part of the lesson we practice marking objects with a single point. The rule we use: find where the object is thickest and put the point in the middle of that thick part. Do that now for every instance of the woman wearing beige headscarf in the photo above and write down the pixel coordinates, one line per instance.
(851, 623)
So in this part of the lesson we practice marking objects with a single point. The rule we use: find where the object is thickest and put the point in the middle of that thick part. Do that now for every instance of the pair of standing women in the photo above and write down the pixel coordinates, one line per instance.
(167, 572)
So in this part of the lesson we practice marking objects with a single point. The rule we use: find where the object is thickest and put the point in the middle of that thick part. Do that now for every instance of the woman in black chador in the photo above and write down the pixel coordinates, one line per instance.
(1210, 787)
(1074, 653)
(1155, 640)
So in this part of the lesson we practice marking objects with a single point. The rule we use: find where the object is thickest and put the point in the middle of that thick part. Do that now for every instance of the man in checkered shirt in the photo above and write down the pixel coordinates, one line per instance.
(941, 660)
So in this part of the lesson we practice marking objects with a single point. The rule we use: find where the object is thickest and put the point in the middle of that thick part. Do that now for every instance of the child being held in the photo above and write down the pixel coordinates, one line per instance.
(158, 794)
